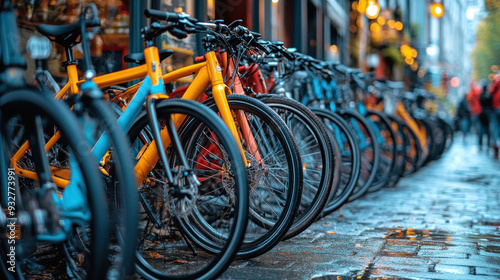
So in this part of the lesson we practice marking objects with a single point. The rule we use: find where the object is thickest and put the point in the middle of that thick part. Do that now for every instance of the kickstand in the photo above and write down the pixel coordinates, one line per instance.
(189, 243)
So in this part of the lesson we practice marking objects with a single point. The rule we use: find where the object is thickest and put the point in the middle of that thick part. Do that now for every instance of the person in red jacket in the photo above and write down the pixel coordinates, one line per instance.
(475, 109)
(473, 99)
(495, 114)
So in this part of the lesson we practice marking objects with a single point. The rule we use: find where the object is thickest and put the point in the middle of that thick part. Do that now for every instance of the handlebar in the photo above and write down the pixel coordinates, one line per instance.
(84, 23)
(159, 15)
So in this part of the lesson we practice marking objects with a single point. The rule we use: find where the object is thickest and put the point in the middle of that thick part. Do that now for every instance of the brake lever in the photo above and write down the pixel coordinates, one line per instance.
(181, 34)
(234, 24)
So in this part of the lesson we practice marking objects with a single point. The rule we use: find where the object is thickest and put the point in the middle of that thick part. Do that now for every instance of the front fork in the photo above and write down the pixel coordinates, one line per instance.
(185, 173)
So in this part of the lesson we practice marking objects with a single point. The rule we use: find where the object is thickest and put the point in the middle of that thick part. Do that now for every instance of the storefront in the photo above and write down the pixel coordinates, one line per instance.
(312, 26)
(118, 35)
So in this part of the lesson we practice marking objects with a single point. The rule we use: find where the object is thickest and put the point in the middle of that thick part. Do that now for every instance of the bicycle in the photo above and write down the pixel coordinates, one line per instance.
(40, 214)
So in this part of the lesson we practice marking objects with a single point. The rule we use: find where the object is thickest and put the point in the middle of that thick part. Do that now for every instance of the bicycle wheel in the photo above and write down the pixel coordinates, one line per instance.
(321, 165)
(349, 149)
(413, 152)
(120, 182)
(447, 138)
(368, 149)
(386, 140)
(430, 143)
(275, 173)
(401, 144)
(438, 136)
(214, 219)
(448, 132)
(75, 213)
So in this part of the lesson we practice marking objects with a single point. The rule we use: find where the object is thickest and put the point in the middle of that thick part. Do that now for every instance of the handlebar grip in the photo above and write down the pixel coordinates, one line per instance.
(240, 30)
(155, 14)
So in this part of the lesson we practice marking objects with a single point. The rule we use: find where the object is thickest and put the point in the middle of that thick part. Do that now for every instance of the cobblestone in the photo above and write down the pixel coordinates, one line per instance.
(442, 222)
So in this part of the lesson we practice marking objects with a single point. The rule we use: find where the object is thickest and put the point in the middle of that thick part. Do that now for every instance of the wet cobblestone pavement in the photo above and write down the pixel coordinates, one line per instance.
(442, 222)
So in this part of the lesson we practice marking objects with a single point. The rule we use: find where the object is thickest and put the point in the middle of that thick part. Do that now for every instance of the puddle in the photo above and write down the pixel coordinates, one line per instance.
(417, 235)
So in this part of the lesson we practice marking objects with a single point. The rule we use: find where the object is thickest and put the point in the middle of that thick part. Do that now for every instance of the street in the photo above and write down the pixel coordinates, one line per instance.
(442, 222)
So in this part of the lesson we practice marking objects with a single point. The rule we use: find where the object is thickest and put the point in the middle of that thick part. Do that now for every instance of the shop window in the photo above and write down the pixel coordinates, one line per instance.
(108, 44)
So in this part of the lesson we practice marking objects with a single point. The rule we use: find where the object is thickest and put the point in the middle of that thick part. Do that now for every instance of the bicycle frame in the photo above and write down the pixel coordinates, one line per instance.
(401, 113)
(412, 124)
(208, 72)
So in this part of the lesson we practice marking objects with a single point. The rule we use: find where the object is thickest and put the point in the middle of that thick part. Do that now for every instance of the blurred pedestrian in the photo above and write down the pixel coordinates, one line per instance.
(474, 106)
(464, 117)
(495, 113)
(484, 117)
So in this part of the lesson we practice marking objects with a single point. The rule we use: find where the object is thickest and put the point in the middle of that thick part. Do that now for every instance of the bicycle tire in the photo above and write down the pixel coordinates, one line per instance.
(413, 152)
(397, 173)
(316, 150)
(368, 149)
(429, 141)
(338, 129)
(268, 225)
(449, 134)
(439, 134)
(192, 225)
(23, 103)
(387, 145)
(121, 188)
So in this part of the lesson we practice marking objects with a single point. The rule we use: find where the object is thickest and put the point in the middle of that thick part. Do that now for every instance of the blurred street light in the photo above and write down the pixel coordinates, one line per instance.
(436, 10)
(391, 23)
(432, 50)
(372, 10)
(398, 25)
(381, 20)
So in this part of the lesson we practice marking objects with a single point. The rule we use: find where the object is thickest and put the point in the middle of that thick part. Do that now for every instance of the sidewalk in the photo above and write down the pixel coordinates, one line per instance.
(442, 222)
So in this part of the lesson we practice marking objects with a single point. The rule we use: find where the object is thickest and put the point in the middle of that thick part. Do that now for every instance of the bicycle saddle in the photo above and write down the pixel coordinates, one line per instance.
(138, 58)
(65, 35)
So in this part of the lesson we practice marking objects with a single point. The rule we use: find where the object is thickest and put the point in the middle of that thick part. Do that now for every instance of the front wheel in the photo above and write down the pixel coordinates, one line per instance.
(213, 217)
(274, 171)
(321, 165)
(368, 150)
(75, 207)
(340, 131)
(386, 138)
